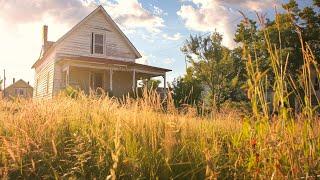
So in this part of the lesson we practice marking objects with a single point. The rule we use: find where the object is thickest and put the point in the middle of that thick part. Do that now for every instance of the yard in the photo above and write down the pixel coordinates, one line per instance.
(102, 138)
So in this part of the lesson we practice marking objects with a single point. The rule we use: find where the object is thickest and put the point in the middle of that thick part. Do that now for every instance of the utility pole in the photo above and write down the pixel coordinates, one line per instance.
(4, 83)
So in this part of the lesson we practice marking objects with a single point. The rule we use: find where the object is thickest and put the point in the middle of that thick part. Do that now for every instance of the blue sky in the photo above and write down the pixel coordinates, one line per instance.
(157, 28)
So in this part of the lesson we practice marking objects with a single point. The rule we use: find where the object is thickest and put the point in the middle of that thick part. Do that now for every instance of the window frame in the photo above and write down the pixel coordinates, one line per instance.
(20, 91)
(92, 80)
(94, 43)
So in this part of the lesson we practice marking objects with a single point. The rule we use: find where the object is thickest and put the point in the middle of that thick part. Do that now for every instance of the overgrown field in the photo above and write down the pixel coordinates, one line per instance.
(104, 138)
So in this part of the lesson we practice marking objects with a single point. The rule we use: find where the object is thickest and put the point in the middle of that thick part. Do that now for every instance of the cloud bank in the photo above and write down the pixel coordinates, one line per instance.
(131, 15)
(128, 13)
(174, 37)
(220, 15)
(21, 22)
(16, 12)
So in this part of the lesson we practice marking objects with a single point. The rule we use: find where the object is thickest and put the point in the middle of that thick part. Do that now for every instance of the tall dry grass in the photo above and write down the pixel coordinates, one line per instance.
(103, 138)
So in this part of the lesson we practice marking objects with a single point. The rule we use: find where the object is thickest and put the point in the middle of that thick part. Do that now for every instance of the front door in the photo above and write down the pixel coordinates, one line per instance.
(96, 81)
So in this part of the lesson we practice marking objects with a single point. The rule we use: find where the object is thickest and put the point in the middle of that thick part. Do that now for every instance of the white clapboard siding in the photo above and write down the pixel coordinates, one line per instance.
(44, 78)
(58, 79)
(49, 77)
(79, 41)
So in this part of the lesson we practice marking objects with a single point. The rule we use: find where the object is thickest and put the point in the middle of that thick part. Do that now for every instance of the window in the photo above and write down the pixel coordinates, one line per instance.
(96, 81)
(20, 91)
(98, 43)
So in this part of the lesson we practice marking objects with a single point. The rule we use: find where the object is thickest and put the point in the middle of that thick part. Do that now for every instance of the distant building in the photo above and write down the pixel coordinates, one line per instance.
(18, 89)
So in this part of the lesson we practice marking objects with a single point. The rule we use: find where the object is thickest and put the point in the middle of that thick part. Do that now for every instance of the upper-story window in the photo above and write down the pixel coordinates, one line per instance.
(98, 43)
(20, 91)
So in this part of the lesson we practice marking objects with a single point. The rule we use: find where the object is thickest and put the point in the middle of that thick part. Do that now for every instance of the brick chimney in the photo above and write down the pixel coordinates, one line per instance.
(45, 37)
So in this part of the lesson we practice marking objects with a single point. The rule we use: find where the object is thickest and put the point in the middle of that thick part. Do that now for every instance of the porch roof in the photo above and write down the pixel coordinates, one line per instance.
(113, 62)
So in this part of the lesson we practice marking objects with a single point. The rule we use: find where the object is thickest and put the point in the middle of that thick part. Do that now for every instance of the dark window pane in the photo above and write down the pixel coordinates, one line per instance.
(98, 80)
(98, 49)
(98, 39)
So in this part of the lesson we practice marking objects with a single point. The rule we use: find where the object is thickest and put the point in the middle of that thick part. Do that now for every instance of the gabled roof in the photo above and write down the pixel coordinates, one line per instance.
(19, 81)
(99, 8)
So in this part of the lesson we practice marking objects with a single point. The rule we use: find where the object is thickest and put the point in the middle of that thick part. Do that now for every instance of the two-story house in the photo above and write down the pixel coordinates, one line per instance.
(95, 53)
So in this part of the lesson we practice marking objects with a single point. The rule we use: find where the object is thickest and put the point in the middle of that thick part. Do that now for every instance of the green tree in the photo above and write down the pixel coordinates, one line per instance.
(212, 64)
(281, 37)
(282, 32)
(248, 35)
(316, 3)
(237, 93)
(187, 89)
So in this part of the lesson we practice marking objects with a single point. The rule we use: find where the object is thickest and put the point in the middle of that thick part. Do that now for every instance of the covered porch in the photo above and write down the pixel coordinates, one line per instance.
(118, 78)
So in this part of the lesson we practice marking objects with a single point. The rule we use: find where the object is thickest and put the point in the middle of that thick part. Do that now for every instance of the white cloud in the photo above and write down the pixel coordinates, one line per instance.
(158, 11)
(211, 15)
(175, 37)
(16, 12)
(256, 5)
(20, 30)
(145, 59)
(259, 5)
(169, 61)
(21, 23)
(208, 16)
(21, 44)
(131, 15)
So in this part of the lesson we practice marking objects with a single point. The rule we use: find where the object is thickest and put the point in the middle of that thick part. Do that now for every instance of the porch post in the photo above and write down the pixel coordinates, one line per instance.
(111, 73)
(165, 83)
(134, 80)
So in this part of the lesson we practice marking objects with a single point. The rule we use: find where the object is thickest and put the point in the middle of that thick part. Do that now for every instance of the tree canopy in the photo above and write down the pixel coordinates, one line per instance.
(213, 65)
(222, 71)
